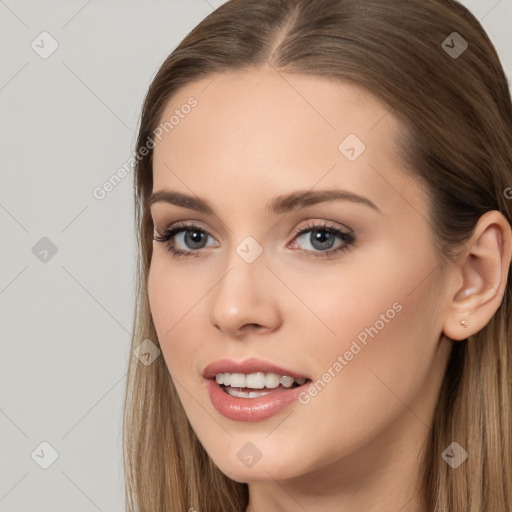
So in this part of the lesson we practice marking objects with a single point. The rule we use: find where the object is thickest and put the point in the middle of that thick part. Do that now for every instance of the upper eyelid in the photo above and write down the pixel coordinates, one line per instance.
(199, 224)
(181, 224)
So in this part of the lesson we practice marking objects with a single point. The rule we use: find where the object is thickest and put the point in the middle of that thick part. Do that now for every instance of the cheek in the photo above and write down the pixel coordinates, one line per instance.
(171, 301)
(379, 318)
(386, 333)
(368, 296)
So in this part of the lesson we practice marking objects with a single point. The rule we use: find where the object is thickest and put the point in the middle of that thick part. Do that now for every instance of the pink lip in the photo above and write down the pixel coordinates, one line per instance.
(251, 365)
(250, 409)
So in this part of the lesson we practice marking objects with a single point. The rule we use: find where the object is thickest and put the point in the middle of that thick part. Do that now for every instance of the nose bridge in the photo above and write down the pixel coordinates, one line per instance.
(243, 295)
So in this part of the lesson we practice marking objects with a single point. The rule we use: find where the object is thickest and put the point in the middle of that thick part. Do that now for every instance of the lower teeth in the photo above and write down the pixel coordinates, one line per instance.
(245, 394)
(240, 393)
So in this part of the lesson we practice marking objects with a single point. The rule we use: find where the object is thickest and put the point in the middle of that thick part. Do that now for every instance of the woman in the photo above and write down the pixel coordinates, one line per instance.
(323, 207)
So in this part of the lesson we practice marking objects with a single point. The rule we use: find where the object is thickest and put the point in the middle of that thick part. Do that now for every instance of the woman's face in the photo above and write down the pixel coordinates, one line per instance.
(345, 293)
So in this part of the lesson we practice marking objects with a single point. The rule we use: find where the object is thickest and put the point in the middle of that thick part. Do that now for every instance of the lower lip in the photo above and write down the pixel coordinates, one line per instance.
(251, 409)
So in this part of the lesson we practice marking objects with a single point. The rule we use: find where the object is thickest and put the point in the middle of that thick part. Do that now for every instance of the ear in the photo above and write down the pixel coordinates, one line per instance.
(481, 277)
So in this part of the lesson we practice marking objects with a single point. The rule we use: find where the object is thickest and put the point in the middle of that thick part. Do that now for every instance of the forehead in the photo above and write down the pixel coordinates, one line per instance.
(260, 132)
(256, 105)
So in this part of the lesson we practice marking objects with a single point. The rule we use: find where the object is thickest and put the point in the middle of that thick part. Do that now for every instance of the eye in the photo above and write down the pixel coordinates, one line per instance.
(186, 235)
(322, 238)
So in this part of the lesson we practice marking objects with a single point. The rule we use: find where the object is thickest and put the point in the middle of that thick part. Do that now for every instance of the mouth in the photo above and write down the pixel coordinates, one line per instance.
(252, 389)
(256, 385)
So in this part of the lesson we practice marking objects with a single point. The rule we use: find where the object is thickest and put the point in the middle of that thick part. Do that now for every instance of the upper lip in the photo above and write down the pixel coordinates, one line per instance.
(247, 366)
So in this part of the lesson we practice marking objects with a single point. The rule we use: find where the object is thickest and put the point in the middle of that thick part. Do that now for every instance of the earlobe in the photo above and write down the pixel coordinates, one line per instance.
(483, 272)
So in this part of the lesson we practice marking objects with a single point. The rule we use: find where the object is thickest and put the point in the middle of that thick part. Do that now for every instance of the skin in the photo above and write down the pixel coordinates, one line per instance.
(251, 138)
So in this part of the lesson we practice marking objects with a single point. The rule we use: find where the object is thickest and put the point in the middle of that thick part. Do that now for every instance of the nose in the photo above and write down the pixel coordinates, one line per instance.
(246, 300)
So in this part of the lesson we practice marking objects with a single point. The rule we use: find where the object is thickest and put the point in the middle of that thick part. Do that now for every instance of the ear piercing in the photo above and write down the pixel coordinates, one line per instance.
(465, 293)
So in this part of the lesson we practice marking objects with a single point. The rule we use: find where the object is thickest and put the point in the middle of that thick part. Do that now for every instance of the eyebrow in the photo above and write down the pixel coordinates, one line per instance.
(279, 205)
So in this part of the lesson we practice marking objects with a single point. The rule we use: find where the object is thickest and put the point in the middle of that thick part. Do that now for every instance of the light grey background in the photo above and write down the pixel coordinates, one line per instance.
(68, 122)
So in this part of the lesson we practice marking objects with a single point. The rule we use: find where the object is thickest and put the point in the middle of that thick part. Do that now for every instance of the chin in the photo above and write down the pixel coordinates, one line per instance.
(272, 468)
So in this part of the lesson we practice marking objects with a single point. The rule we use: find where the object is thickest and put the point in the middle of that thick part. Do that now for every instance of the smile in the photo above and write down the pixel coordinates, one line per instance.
(244, 403)
(246, 386)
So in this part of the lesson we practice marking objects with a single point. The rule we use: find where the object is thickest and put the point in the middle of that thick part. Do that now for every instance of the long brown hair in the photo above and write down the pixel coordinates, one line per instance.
(456, 111)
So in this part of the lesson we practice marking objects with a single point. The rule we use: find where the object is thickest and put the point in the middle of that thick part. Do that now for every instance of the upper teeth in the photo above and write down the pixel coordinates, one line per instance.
(256, 380)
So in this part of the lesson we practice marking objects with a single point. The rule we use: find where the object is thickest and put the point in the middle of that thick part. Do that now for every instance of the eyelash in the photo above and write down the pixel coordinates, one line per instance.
(166, 238)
